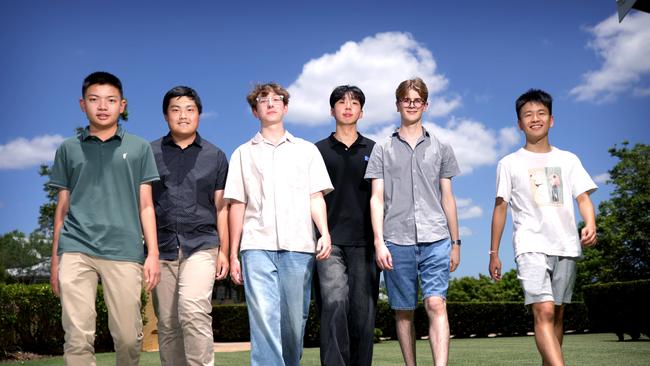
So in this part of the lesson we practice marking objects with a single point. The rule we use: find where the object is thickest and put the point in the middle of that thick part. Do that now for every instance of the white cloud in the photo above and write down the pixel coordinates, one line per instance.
(625, 50)
(23, 153)
(467, 209)
(601, 178)
(376, 64)
(641, 92)
(465, 231)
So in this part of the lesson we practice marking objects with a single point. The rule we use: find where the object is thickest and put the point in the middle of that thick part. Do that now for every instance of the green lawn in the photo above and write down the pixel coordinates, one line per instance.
(584, 349)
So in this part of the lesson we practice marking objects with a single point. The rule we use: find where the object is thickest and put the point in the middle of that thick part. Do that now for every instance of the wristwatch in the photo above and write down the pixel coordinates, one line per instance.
(457, 242)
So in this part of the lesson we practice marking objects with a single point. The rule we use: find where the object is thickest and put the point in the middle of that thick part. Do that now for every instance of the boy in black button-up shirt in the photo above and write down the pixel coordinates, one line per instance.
(191, 216)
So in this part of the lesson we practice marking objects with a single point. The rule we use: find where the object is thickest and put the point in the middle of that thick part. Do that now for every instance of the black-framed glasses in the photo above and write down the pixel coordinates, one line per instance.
(417, 102)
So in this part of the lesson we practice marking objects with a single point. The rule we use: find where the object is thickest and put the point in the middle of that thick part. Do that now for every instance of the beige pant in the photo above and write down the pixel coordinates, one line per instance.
(182, 301)
(122, 284)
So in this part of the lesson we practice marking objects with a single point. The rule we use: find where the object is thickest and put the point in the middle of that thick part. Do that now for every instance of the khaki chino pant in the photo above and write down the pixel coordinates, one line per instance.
(122, 285)
(183, 304)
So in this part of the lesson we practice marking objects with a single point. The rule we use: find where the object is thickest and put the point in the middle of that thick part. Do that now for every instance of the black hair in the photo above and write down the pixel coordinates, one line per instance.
(536, 96)
(101, 78)
(181, 91)
(340, 91)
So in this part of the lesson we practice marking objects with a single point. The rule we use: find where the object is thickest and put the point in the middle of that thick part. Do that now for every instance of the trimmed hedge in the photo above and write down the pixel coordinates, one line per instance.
(619, 307)
(230, 322)
(30, 320)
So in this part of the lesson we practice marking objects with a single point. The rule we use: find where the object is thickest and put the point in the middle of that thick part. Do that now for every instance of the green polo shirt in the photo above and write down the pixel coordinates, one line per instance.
(104, 179)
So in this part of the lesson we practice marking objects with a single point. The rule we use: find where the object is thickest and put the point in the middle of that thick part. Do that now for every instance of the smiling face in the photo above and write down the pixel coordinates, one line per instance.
(535, 120)
(411, 107)
(182, 117)
(347, 110)
(103, 105)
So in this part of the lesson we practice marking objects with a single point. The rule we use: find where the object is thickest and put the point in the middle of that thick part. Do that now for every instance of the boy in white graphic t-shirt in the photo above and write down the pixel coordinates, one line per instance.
(539, 182)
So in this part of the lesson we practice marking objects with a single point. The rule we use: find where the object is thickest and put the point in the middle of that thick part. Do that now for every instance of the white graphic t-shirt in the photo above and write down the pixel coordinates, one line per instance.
(540, 189)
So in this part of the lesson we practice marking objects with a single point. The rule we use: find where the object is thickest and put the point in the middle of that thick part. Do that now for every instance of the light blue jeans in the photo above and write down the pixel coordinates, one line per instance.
(278, 290)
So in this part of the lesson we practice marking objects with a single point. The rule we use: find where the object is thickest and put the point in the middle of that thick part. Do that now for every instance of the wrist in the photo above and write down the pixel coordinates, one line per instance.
(493, 253)
(456, 242)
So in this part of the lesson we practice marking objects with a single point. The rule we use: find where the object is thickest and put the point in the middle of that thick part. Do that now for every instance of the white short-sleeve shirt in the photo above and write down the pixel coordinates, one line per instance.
(540, 189)
(276, 182)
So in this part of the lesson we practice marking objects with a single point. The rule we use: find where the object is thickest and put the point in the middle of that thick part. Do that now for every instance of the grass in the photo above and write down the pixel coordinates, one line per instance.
(583, 349)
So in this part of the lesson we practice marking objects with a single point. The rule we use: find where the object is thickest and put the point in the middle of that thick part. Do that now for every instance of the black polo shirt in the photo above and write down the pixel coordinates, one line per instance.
(348, 206)
(184, 196)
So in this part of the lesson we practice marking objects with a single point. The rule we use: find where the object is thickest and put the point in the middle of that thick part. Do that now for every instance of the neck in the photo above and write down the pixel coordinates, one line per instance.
(103, 133)
(273, 132)
(413, 130)
(540, 146)
(347, 134)
(184, 141)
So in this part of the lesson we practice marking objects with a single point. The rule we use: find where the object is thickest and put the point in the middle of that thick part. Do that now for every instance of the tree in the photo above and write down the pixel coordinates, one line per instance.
(479, 289)
(623, 222)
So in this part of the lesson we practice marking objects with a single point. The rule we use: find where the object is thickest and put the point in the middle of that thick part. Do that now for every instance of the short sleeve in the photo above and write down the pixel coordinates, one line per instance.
(59, 175)
(504, 182)
(581, 182)
(234, 189)
(449, 165)
(222, 171)
(319, 179)
(149, 168)
(375, 168)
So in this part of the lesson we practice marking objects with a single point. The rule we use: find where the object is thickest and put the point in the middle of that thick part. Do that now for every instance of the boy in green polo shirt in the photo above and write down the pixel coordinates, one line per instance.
(104, 207)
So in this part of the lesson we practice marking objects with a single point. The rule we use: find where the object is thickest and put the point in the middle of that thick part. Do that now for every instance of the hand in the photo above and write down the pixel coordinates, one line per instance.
(454, 257)
(588, 236)
(382, 256)
(235, 271)
(54, 276)
(222, 266)
(151, 272)
(495, 267)
(323, 247)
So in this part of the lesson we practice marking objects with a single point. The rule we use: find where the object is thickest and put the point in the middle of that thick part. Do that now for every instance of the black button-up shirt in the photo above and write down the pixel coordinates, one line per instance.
(348, 206)
(184, 196)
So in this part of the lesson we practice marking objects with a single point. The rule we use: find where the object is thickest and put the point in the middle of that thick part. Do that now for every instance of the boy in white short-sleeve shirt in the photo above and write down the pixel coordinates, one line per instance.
(539, 183)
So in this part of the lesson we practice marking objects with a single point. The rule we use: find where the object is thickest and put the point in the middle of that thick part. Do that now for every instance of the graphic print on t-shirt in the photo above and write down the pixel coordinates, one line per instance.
(546, 185)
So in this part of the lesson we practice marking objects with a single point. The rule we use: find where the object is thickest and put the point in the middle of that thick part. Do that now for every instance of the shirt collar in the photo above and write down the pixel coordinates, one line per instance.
(425, 134)
(119, 134)
(361, 140)
(169, 140)
(287, 137)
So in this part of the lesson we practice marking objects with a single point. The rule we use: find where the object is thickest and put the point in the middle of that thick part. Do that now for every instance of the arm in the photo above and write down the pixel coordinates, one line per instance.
(382, 255)
(449, 207)
(235, 226)
(498, 222)
(223, 259)
(148, 219)
(62, 207)
(588, 234)
(319, 216)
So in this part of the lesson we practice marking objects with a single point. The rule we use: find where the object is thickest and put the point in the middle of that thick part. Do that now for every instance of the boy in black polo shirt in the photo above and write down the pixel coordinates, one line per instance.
(192, 220)
(104, 207)
(347, 284)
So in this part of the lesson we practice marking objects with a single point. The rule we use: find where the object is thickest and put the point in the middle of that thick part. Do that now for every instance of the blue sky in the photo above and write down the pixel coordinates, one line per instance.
(476, 56)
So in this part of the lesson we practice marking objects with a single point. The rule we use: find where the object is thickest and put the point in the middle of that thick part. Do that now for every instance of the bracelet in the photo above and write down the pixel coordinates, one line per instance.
(493, 252)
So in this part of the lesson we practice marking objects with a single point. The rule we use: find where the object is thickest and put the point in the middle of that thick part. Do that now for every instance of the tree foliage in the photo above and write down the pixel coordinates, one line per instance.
(623, 222)
(481, 289)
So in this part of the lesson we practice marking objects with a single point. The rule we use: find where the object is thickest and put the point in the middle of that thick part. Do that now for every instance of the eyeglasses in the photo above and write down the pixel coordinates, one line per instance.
(275, 100)
(417, 102)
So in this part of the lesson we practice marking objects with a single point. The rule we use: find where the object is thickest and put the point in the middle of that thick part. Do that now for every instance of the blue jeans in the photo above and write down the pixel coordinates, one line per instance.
(277, 280)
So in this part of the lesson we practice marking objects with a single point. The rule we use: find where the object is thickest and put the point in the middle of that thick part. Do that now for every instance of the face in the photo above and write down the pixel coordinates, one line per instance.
(270, 109)
(103, 105)
(535, 120)
(347, 111)
(182, 117)
(408, 110)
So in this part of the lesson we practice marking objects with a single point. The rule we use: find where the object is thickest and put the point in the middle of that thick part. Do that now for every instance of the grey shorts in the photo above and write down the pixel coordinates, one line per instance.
(546, 277)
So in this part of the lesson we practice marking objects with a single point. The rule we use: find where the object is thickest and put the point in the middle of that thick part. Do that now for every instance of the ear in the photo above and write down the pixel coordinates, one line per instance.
(82, 105)
(397, 106)
(552, 121)
(361, 114)
(520, 124)
(332, 112)
(122, 105)
(254, 110)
